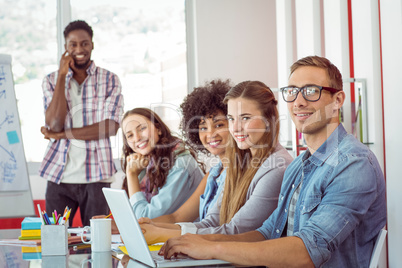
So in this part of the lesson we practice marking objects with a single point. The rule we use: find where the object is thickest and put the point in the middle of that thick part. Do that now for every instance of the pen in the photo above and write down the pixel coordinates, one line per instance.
(40, 214)
(110, 214)
(63, 220)
(46, 217)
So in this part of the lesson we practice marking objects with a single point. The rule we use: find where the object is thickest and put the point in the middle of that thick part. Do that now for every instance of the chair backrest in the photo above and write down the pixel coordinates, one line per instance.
(379, 243)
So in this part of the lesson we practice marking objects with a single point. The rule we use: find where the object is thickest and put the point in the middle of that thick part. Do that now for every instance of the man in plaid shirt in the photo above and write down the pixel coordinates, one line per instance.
(83, 106)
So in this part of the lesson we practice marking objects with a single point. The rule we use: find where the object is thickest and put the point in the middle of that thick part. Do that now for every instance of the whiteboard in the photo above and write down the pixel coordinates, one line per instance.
(15, 192)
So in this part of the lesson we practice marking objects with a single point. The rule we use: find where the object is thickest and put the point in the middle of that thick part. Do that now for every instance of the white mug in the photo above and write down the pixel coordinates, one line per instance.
(99, 260)
(101, 235)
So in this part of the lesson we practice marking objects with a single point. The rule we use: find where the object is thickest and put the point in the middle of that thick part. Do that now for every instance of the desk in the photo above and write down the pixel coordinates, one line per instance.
(11, 256)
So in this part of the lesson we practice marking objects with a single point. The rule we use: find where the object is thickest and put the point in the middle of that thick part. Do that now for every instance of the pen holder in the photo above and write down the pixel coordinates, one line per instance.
(55, 261)
(54, 240)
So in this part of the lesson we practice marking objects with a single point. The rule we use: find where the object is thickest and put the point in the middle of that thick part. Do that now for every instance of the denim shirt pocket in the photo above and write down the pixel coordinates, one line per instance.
(310, 203)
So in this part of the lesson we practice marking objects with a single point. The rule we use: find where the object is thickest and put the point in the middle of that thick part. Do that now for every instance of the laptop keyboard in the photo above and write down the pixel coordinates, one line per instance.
(159, 258)
(156, 257)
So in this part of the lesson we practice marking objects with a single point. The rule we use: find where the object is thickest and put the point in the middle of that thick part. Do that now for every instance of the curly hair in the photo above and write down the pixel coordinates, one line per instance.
(78, 25)
(204, 101)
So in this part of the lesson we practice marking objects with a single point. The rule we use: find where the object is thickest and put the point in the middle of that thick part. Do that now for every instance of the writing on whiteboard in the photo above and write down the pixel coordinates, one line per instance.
(8, 167)
(8, 119)
(2, 78)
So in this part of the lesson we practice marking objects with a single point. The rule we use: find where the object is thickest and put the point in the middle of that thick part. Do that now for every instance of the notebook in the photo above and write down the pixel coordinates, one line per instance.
(133, 238)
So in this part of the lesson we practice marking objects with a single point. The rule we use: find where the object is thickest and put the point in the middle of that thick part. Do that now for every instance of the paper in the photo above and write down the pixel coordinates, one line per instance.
(77, 231)
(154, 247)
(17, 242)
(116, 239)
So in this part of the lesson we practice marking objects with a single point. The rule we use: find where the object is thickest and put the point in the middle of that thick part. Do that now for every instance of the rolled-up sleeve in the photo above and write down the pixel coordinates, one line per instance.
(337, 211)
(114, 102)
(48, 89)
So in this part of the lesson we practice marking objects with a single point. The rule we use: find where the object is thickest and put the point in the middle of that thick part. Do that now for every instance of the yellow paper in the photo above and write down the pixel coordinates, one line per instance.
(151, 248)
(31, 249)
(25, 233)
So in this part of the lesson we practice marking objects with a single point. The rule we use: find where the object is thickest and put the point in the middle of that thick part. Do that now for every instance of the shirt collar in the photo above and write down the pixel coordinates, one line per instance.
(90, 71)
(216, 170)
(328, 147)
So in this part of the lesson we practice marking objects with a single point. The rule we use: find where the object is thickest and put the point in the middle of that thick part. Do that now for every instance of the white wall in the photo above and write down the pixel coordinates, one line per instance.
(336, 47)
(236, 39)
(366, 44)
(391, 33)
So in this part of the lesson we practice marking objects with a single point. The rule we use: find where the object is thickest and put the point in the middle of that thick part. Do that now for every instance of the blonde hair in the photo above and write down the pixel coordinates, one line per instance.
(242, 165)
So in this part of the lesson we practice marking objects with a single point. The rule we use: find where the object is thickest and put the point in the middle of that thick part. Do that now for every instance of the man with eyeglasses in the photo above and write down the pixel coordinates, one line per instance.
(332, 201)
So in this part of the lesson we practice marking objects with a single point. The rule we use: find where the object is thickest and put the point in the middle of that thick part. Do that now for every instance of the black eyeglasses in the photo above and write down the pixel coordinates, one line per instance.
(309, 93)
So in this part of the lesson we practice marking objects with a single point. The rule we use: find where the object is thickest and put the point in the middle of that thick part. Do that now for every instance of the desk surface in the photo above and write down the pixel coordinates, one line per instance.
(12, 256)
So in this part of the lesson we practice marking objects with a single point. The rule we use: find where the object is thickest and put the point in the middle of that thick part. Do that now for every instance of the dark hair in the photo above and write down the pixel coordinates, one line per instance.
(163, 156)
(204, 101)
(78, 25)
(335, 76)
(240, 172)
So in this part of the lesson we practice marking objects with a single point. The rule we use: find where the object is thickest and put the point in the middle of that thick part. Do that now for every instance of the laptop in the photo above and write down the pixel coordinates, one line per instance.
(133, 238)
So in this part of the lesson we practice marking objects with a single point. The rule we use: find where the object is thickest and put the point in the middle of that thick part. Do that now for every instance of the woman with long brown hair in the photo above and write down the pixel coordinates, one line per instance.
(161, 174)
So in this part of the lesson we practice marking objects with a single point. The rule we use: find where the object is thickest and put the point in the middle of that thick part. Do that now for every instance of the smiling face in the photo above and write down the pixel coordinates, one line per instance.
(141, 134)
(246, 123)
(314, 118)
(79, 46)
(213, 133)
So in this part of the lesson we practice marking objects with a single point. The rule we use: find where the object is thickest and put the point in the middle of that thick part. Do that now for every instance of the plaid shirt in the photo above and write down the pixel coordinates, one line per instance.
(101, 100)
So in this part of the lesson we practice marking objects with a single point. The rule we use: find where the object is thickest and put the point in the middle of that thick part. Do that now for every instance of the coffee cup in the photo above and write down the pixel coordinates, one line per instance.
(99, 260)
(100, 236)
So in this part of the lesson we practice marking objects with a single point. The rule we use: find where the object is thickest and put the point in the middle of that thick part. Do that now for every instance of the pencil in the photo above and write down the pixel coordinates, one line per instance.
(81, 246)
(110, 214)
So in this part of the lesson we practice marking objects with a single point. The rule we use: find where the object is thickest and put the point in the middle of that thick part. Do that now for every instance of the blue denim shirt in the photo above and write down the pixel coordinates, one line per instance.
(341, 207)
(182, 180)
(213, 188)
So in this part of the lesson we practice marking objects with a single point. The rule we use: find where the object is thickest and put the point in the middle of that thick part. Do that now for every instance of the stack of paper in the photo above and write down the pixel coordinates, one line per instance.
(30, 230)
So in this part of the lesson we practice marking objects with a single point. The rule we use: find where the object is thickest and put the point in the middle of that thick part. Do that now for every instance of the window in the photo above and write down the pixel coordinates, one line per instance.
(142, 41)
(28, 33)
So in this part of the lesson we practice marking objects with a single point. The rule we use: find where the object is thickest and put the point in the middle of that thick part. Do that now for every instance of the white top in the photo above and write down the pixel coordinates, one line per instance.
(74, 171)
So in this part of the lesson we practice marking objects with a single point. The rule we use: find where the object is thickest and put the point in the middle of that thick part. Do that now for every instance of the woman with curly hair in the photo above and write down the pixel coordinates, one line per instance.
(205, 128)
(161, 174)
(255, 164)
